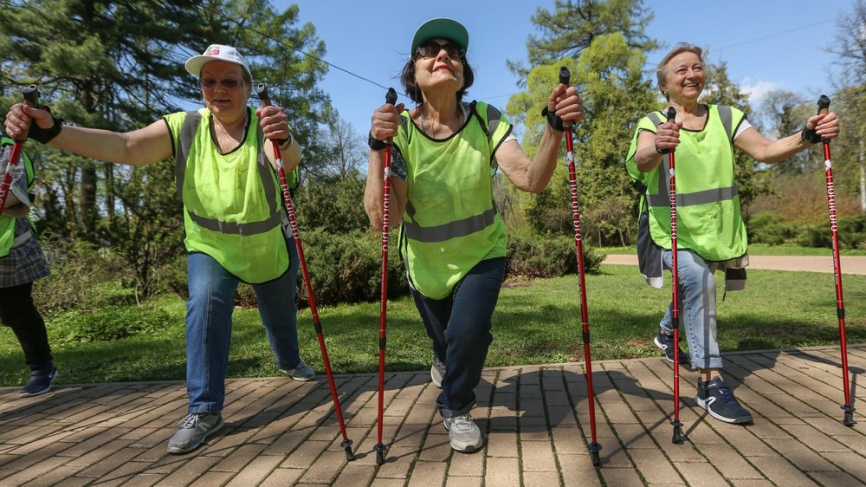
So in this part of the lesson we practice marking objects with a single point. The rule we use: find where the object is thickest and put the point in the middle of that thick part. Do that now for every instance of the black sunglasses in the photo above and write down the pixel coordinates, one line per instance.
(211, 82)
(431, 49)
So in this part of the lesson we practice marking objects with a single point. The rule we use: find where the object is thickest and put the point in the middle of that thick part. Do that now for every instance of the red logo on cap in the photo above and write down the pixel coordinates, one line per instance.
(213, 52)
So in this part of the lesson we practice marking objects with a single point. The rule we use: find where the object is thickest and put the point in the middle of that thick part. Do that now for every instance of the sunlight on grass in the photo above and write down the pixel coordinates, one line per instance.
(537, 321)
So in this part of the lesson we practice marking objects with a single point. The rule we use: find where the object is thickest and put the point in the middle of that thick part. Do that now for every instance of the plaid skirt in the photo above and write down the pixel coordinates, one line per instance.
(25, 262)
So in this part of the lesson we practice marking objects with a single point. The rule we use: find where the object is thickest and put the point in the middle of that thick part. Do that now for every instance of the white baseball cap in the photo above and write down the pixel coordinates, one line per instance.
(215, 52)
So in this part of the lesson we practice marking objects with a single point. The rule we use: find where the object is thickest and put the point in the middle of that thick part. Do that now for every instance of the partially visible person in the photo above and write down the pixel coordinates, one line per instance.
(711, 234)
(234, 218)
(445, 155)
(21, 264)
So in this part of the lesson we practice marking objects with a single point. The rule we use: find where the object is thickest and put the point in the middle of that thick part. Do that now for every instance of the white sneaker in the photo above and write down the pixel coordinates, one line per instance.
(464, 433)
(437, 372)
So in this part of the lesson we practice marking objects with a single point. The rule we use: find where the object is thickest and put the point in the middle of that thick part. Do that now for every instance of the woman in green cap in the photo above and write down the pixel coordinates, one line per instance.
(445, 155)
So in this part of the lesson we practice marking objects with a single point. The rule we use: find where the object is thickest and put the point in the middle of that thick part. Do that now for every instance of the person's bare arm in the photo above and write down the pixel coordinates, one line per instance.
(140, 147)
(770, 151)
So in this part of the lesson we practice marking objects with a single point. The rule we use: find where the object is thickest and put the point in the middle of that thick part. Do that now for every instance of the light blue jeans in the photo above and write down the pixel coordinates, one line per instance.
(697, 309)
(209, 325)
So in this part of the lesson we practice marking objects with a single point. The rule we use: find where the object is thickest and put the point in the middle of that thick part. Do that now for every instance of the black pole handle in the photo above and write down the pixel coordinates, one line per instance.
(262, 91)
(823, 105)
(671, 114)
(391, 96)
(31, 95)
(31, 99)
(564, 75)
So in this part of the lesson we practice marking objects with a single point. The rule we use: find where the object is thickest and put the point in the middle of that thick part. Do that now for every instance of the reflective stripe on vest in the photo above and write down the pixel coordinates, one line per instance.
(447, 231)
(20, 239)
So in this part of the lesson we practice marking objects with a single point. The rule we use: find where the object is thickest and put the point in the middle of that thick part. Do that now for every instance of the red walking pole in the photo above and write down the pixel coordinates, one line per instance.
(594, 447)
(31, 98)
(678, 437)
(848, 419)
(290, 209)
(390, 98)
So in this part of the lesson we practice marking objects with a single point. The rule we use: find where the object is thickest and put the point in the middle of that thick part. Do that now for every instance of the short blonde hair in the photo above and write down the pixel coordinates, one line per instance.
(662, 68)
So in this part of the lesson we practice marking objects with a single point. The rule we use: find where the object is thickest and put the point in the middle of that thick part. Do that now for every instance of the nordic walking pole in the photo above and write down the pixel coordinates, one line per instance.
(31, 98)
(678, 437)
(848, 419)
(594, 447)
(290, 209)
(390, 98)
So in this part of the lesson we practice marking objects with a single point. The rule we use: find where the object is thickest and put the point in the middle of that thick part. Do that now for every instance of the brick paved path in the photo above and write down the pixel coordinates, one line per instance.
(283, 433)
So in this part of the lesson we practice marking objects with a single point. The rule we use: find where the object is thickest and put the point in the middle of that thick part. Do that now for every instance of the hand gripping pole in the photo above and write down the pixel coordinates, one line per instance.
(31, 98)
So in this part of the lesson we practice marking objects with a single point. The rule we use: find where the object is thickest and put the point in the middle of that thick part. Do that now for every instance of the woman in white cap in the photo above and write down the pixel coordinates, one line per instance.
(445, 153)
(233, 218)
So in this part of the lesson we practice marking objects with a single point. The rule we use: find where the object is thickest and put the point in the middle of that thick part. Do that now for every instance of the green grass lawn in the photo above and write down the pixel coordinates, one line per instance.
(537, 321)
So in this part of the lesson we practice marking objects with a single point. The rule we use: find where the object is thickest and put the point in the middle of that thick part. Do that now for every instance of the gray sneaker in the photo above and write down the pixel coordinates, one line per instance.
(194, 428)
(464, 433)
(437, 371)
(301, 373)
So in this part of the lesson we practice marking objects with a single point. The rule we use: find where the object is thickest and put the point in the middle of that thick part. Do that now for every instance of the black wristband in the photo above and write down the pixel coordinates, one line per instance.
(287, 142)
(376, 144)
(809, 135)
(555, 122)
(42, 135)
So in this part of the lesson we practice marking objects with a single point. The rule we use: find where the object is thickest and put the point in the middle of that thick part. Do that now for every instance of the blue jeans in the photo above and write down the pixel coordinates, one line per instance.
(459, 326)
(697, 308)
(209, 325)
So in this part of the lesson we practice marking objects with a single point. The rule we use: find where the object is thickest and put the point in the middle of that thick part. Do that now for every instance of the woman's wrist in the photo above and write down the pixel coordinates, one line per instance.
(287, 142)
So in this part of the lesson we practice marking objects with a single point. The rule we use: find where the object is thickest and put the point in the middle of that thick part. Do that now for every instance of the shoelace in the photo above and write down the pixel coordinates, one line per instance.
(725, 394)
(462, 423)
(190, 421)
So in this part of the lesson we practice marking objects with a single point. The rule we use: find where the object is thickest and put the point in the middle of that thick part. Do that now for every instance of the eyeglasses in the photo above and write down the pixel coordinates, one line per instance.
(432, 48)
(209, 83)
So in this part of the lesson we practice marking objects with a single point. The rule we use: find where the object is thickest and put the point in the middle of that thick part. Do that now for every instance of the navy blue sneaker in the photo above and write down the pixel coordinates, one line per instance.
(718, 399)
(40, 382)
(666, 344)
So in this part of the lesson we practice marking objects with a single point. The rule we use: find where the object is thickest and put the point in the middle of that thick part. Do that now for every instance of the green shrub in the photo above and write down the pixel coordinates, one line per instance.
(347, 267)
(82, 277)
(108, 324)
(850, 230)
(771, 229)
(548, 256)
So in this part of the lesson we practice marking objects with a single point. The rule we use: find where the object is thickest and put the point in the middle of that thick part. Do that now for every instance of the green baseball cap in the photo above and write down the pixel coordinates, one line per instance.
(441, 27)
